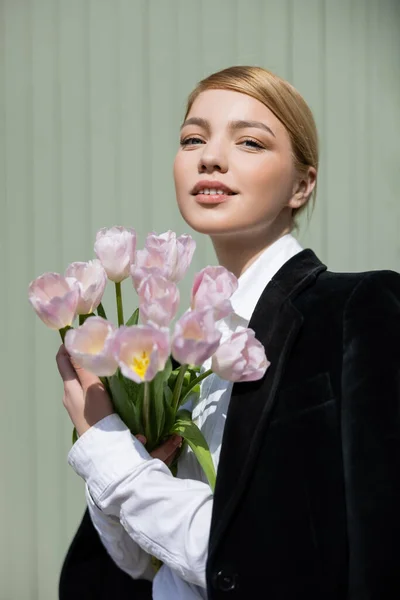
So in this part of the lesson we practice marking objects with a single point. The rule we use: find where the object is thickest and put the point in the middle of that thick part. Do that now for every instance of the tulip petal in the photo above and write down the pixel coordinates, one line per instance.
(240, 358)
(92, 280)
(212, 288)
(55, 299)
(115, 248)
(141, 351)
(158, 300)
(90, 345)
(165, 255)
(195, 337)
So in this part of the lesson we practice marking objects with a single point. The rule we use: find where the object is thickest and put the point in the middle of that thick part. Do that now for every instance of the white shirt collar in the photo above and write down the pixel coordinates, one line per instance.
(253, 281)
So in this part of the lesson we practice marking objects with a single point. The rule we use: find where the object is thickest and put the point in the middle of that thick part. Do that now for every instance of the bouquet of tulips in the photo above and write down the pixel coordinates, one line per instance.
(150, 370)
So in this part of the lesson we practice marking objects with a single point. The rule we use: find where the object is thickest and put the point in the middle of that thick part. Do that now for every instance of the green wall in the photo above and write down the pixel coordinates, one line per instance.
(91, 97)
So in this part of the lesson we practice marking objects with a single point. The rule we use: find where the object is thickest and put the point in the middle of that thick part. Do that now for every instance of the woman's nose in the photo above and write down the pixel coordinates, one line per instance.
(213, 159)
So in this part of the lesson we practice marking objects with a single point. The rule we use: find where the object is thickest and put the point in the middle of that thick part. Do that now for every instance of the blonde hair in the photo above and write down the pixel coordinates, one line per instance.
(283, 100)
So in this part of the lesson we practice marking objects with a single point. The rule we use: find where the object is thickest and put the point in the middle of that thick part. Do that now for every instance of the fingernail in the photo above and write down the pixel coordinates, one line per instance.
(176, 440)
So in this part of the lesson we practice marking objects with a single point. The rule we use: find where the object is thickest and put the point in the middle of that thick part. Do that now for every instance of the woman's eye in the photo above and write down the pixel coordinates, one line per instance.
(251, 144)
(191, 141)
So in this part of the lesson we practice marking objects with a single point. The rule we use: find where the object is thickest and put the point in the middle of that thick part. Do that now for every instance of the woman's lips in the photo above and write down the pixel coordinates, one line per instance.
(213, 198)
(211, 185)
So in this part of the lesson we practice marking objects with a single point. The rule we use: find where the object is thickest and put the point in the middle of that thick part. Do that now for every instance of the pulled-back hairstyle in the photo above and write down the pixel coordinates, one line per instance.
(282, 99)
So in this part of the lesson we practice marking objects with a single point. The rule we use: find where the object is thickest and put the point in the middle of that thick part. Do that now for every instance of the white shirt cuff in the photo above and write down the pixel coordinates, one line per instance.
(96, 455)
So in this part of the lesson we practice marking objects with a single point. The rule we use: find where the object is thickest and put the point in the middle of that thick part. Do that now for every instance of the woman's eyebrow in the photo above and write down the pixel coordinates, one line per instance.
(197, 121)
(241, 124)
(244, 124)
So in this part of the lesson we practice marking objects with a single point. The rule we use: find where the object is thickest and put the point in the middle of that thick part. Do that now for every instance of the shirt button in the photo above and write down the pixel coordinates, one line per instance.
(225, 581)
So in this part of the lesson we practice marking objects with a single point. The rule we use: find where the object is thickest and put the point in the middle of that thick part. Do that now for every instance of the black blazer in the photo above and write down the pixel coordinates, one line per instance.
(307, 499)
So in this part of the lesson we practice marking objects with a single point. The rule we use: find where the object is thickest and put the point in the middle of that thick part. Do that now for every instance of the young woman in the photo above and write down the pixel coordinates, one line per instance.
(307, 500)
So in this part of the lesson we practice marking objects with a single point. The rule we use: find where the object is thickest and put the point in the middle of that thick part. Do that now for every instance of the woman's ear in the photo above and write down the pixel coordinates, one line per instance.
(303, 188)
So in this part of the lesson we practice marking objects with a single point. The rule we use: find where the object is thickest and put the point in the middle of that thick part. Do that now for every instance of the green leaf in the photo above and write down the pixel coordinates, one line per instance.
(139, 403)
(124, 404)
(172, 378)
(160, 423)
(101, 312)
(193, 394)
(193, 385)
(169, 413)
(133, 389)
(63, 331)
(134, 319)
(157, 416)
(167, 370)
(82, 318)
(135, 392)
(194, 372)
(74, 436)
(190, 389)
(168, 395)
(185, 427)
(156, 405)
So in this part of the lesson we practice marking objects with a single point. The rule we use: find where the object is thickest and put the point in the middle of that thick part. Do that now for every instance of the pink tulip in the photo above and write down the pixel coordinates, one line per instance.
(147, 263)
(212, 288)
(115, 248)
(195, 337)
(164, 255)
(240, 358)
(55, 299)
(91, 346)
(141, 351)
(92, 280)
(158, 300)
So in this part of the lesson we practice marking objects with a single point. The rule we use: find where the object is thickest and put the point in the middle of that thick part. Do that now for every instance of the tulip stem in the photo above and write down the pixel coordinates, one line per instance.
(178, 387)
(119, 303)
(195, 382)
(146, 410)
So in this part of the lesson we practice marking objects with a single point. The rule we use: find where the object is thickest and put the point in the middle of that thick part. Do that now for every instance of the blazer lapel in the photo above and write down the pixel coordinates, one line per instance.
(276, 323)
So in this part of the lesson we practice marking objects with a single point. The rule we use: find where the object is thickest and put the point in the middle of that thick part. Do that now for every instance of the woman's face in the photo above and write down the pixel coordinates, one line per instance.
(234, 172)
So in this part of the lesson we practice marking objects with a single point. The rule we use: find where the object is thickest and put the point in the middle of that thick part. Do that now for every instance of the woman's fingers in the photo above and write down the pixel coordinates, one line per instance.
(70, 370)
(84, 392)
(167, 450)
(64, 365)
(85, 397)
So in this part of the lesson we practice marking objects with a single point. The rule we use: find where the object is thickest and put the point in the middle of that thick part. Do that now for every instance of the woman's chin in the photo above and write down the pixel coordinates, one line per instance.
(208, 218)
(211, 227)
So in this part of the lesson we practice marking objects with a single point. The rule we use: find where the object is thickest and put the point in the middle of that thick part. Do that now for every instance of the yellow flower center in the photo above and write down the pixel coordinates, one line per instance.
(140, 364)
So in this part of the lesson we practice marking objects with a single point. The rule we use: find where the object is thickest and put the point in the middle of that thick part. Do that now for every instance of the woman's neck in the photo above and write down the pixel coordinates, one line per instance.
(237, 254)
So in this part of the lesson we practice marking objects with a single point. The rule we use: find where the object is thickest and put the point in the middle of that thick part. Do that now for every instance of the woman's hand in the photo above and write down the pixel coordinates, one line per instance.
(85, 397)
(166, 452)
(87, 402)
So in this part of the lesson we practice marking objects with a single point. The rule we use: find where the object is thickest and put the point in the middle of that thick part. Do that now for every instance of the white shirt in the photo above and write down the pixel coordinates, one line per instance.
(138, 508)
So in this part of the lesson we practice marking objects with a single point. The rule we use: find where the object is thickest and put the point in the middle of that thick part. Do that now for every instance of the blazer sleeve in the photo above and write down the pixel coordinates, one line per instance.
(89, 573)
(370, 422)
